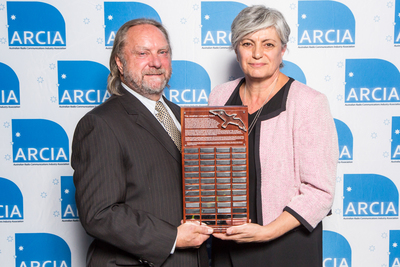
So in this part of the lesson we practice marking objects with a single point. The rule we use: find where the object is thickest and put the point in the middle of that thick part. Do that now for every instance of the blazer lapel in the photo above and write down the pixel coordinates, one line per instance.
(142, 117)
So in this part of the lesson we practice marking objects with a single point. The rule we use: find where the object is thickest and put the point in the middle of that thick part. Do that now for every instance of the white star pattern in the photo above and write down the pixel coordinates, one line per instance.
(349, 189)
(207, 17)
(18, 134)
(304, 16)
(395, 245)
(66, 191)
(397, 131)
(110, 17)
(351, 74)
(13, 17)
(21, 248)
(63, 76)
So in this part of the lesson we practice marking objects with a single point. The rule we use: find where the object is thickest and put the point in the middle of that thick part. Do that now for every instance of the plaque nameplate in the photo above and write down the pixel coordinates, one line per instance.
(215, 165)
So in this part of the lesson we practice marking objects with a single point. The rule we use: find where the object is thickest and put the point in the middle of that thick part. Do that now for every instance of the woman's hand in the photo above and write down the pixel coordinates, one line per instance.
(251, 232)
(245, 233)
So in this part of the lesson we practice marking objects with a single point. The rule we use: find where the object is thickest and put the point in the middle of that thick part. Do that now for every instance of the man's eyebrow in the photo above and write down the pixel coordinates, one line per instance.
(139, 47)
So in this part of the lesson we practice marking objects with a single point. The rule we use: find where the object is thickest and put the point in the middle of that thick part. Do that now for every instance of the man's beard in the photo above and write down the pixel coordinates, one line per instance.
(143, 87)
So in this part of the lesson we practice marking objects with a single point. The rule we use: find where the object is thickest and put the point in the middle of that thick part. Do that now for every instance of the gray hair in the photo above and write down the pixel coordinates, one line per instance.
(255, 18)
(114, 80)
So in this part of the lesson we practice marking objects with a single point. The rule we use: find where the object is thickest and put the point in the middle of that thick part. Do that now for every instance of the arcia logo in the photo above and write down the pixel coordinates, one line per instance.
(336, 250)
(117, 13)
(39, 141)
(35, 24)
(41, 250)
(9, 87)
(371, 81)
(68, 204)
(369, 195)
(82, 83)
(191, 87)
(394, 248)
(292, 70)
(395, 139)
(325, 23)
(216, 20)
(397, 25)
(345, 137)
(11, 202)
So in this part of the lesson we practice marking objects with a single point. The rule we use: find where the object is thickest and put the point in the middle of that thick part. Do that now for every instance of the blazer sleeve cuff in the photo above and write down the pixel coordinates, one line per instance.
(299, 218)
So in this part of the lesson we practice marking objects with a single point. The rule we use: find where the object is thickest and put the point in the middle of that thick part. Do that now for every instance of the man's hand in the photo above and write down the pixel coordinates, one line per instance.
(192, 235)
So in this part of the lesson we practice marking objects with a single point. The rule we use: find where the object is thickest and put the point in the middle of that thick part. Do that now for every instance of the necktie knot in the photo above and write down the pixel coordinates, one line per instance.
(169, 125)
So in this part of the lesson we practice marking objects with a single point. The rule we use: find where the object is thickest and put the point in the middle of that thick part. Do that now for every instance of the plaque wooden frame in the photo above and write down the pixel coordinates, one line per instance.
(215, 165)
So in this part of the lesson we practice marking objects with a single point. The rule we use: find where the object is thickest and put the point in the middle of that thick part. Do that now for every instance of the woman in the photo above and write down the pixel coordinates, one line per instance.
(292, 152)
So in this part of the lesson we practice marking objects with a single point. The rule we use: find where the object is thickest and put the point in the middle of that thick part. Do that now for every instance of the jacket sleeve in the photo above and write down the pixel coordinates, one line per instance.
(100, 181)
(316, 155)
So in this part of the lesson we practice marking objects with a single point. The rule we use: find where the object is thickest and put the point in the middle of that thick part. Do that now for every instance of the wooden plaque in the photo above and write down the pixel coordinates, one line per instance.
(215, 165)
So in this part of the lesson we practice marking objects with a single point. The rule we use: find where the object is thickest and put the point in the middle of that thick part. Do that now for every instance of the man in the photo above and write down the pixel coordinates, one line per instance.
(127, 167)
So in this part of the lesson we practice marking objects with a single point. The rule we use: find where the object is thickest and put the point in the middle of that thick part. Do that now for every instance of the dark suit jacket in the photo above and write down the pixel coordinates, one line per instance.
(129, 186)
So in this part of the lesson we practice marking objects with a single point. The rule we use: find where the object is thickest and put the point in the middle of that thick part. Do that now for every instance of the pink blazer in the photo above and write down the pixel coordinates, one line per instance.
(298, 155)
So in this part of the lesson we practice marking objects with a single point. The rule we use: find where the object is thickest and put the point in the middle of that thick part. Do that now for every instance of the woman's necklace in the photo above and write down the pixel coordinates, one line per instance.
(253, 123)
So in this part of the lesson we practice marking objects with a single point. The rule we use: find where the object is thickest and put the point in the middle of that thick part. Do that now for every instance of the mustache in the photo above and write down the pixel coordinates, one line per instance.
(154, 71)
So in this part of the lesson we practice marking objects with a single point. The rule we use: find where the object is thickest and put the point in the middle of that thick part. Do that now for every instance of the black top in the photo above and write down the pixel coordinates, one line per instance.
(275, 103)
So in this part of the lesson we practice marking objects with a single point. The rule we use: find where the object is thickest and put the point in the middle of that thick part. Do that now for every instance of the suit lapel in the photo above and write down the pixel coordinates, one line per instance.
(142, 117)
